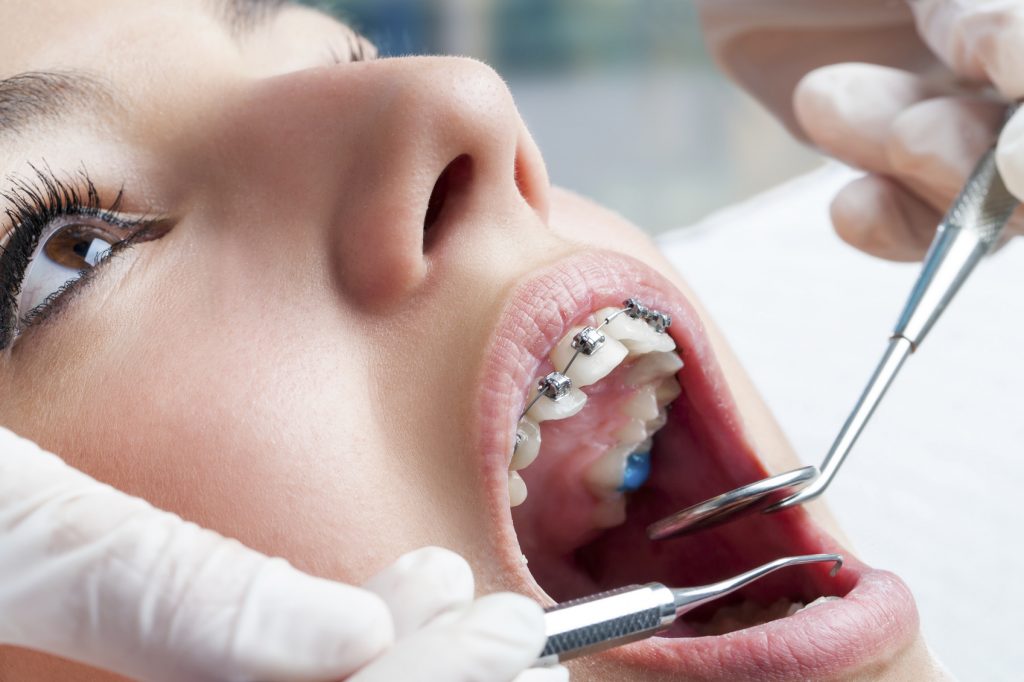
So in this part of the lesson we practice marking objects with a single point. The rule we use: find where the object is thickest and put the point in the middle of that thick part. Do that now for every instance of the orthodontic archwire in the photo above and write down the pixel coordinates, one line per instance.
(587, 341)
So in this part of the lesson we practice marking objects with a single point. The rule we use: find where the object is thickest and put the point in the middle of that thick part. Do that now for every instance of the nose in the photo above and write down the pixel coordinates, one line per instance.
(381, 156)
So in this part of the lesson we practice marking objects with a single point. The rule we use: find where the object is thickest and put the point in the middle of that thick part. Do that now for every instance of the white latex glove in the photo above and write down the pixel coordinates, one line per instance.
(91, 574)
(916, 123)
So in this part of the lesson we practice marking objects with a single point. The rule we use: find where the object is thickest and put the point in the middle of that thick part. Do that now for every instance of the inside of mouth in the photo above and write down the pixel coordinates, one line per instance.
(696, 455)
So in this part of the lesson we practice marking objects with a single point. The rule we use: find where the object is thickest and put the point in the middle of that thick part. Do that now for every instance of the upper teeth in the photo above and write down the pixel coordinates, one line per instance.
(586, 355)
(635, 334)
(564, 407)
(588, 369)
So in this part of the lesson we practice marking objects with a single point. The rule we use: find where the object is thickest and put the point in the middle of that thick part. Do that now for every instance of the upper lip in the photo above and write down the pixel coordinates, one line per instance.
(877, 614)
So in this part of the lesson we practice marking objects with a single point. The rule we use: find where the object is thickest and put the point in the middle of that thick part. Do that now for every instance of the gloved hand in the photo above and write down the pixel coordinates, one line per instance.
(916, 121)
(91, 574)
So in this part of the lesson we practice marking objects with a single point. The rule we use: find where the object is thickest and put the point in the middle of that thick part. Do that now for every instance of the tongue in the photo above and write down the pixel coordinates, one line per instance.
(561, 513)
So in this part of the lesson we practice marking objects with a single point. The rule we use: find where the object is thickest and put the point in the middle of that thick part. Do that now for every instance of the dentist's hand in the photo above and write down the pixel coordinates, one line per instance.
(91, 574)
(916, 122)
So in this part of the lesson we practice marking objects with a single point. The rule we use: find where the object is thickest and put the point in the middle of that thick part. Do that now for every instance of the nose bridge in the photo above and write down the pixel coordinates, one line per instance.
(355, 151)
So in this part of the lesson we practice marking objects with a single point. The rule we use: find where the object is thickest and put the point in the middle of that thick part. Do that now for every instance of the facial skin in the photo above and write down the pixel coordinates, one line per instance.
(293, 362)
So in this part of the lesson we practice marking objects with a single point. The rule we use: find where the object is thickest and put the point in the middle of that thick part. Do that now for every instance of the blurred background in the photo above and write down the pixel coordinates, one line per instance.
(619, 95)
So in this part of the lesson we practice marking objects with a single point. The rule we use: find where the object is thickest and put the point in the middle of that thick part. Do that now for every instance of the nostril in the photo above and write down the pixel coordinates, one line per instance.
(521, 177)
(452, 179)
(531, 178)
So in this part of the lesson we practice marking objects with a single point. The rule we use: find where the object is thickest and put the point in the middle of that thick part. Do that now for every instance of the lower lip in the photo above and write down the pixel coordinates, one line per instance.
(875, 619)
(873, 622)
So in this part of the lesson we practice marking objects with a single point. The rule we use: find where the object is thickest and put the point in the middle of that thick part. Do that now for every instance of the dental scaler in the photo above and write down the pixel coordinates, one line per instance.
(610, 619)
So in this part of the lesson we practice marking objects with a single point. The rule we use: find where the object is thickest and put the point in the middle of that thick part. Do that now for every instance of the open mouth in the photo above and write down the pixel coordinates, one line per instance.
(647, 428)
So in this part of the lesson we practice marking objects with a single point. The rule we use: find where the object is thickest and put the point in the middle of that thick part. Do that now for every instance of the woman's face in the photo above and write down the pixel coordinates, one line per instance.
(333, 282)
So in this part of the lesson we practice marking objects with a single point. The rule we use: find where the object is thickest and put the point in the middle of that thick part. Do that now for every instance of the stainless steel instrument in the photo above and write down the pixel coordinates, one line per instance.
(969, 230)
(610, 619)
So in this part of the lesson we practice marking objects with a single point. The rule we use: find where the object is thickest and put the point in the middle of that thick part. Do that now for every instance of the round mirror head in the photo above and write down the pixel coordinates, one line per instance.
(746, 499)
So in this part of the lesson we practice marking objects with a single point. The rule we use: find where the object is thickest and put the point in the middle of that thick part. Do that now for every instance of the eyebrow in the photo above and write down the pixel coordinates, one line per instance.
(38, 95)
(34, 96)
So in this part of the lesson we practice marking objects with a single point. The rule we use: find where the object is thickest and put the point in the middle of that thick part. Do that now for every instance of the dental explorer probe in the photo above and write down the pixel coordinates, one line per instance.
(969, 230)
(609, 619)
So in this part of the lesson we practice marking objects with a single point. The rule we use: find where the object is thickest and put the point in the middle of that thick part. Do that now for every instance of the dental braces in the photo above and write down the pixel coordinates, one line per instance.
(589, 340)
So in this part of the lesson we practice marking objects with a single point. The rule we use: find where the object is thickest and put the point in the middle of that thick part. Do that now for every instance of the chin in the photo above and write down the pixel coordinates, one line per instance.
(576, 533)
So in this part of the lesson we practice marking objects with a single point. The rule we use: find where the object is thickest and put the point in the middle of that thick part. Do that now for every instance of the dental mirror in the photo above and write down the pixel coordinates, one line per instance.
(969, 230)
(749, 498)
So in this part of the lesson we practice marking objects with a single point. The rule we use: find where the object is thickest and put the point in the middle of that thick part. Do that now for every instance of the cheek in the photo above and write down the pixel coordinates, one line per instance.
(222, 421)
(578, 219)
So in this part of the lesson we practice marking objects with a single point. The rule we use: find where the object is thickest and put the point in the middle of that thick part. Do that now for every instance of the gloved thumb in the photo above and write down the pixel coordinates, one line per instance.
(422, 585)
(91, 574)
(493, 639)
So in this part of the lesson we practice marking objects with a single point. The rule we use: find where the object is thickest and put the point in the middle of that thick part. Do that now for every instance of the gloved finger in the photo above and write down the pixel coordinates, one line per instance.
(766, 47)
(936, 144)
(933, 145)
(883, 218)
(847, 109)
(1010, 154)
(494, 639)
(982, 39)
(421, 585)
(97, 576)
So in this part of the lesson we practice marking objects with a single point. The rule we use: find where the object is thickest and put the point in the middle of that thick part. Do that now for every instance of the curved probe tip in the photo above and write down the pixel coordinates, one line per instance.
(688, 598)
(835, 559)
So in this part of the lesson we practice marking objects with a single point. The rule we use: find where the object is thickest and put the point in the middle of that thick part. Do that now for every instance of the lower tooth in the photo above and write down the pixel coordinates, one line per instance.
(655, 424)
(746, 614)
(634, 431)
(667, 391)
(605, 475)
(623, 469)
(653, 367)
(643, 404)
(820, 600)
(516, 489)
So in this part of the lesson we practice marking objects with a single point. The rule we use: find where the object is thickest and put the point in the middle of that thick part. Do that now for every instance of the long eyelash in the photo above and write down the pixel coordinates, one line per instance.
(32, 205)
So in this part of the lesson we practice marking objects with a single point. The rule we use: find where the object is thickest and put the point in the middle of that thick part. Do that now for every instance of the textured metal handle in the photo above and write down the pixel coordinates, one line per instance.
(605, 620)
(984, 204)
(970, 229)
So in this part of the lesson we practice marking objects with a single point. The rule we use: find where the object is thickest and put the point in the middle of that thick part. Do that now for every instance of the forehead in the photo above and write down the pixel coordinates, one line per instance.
(92, 34)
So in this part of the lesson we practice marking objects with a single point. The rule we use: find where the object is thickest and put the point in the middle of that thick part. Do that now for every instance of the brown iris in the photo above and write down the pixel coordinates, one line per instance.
(70, 245)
